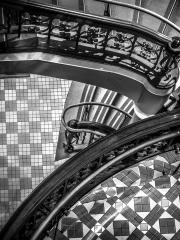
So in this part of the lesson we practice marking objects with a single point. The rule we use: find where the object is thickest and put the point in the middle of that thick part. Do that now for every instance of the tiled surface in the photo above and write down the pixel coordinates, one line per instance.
(30, 113)
(139, 203)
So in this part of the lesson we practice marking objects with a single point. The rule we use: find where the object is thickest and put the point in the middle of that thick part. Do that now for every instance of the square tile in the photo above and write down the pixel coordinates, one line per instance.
(164, 203)
(76, 231)
(11, 116)
(144, 227)
(121, 228)
(11, 106)
(10, 95)
(142, 204)
(12, 138)
(22, 105)
(167, 225)
(23, 127)
(2, 128)
(2, 106)
(163, 182)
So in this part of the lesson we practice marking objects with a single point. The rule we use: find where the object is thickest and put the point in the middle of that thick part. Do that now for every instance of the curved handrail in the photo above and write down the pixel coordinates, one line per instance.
(87, 36)
(68, 183)
(167, 21)
(70, 129)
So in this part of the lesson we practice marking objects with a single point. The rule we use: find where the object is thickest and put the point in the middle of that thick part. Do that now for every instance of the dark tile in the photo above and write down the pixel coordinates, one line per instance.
(34, 127)
(35, 149)
(2, 117)
(4, 184)
(47, 159)
(130, 215)
(14, 195)
(3, 161)
(33, 105)
(163, 182)
(12, 127)
(23, 138)
(141, 204)
(121, 228)
(167, 225)
(106, 235)
(22, 94)
(98, 208)
(25, 160)
(162, 166)
(25, 183)
(4, 207)
(75, 231)
(136, 235)
(23, 116)
(2, 95)
(108, 183)
(37, 171)
(146, 173)
(12, 149)
(173, 192)
(128, 194)
(11, 106)
(152, 192)
(127, 177)
(46, 137)
(45, 115)
(154, 215)
(84, 216)
(13, 172)
(176, 236)
(67, 222)
(3, 139)
(9, 84)
(174, 211)
(153, 234)
(112, 200)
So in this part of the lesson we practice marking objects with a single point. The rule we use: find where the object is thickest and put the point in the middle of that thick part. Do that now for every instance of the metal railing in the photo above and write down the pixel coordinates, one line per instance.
(76, 133)
(36, 27)
(40, 213)
(144, 10)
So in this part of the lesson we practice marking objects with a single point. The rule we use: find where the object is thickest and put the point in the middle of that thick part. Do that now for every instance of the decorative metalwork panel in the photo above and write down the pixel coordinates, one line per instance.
(91, 39)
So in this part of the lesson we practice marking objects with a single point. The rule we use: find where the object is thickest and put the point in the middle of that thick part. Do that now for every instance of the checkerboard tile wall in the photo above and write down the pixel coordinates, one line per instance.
(140, 203)
(30, 114)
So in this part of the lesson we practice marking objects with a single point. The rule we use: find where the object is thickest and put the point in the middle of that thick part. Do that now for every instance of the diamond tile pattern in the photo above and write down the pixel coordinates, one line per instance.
(130, 205)
(30, 113)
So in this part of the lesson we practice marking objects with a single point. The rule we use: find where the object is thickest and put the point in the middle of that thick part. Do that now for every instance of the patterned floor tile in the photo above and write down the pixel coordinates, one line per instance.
(29, 118)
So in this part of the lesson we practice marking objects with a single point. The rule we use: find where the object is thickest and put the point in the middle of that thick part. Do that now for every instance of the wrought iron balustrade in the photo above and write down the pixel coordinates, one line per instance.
(81, 133)
(36, 27)
(39, 214)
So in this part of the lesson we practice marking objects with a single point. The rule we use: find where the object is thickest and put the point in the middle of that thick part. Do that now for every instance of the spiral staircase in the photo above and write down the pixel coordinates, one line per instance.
(125, 185)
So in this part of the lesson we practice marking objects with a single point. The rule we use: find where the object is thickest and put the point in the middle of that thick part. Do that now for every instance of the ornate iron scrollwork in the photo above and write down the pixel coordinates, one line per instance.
(91, 38)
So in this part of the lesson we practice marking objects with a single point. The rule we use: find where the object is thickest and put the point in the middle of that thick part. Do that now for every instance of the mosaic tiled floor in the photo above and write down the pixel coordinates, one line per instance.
(139, 203)
(30, 113)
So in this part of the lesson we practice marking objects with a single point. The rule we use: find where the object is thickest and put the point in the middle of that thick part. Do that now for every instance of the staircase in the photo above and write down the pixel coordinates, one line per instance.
(134, 54)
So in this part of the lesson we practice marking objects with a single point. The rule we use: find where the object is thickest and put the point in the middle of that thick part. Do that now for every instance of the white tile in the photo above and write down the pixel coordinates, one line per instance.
(10, 95)
(3, 150)
(2, 128)
(2, 106)
(11, 116)
(12, 138)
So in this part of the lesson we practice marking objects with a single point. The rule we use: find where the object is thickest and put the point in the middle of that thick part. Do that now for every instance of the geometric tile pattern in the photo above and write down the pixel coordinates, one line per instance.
(30, 114)
(129, 205)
